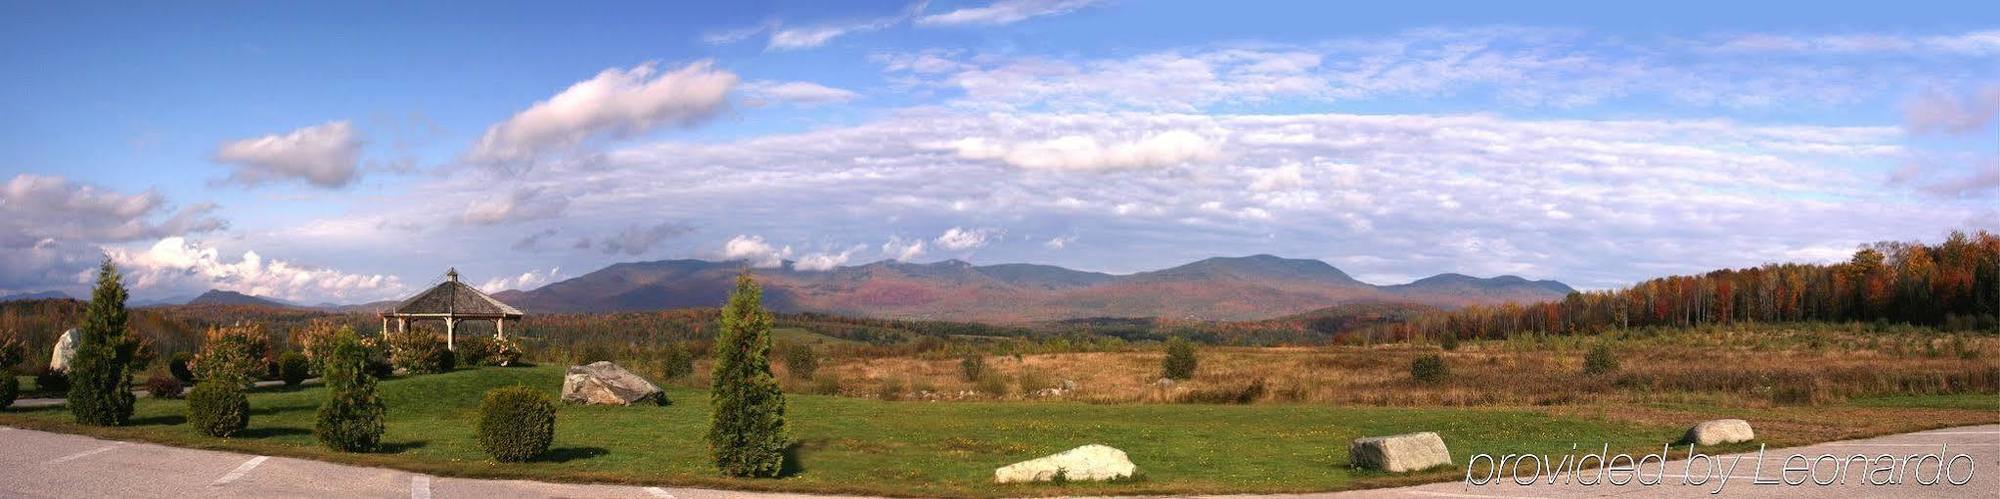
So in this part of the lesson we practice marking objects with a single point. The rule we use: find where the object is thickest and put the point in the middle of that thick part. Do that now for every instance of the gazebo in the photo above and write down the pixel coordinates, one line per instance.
(452, 301)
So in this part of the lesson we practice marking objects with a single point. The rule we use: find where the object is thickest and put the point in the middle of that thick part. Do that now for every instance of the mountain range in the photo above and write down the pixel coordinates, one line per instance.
(45, 295)
(1223, 288)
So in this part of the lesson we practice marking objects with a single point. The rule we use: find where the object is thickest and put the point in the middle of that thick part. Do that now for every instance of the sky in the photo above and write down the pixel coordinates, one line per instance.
(347, 152)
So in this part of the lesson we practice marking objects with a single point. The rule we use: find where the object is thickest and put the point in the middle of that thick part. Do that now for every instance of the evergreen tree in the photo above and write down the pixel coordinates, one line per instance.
(100, 391)
(1180, 361)
(747, 434)
(351, 418)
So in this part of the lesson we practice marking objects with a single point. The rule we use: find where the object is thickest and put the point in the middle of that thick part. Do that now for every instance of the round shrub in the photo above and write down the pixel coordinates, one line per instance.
(1601, 360)
(676, 362)
(180, 366)
(476, 350)
(293, 368)
(516, 423)
(1429, 369)
(10, 388)
(162, 386)
(218, 408)
(421, 353)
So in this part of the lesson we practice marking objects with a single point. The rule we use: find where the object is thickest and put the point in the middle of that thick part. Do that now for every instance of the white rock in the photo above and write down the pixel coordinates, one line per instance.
(1399, 453)
(604, 383)
(1720, 431)
(1087, 463)
(65, 351)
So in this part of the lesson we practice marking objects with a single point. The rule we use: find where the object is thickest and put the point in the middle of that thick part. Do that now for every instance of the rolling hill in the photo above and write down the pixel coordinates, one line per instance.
(221, 297)
(1224, 288)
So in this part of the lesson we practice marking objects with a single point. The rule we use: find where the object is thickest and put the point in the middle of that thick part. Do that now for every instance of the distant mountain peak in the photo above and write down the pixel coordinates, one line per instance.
(226, 297)
(42, 295)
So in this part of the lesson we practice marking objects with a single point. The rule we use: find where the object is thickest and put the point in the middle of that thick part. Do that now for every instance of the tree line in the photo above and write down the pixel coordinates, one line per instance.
(1954, 285)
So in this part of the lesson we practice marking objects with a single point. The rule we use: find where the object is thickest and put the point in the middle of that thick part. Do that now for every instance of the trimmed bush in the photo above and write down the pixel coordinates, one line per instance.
(50, 381)
(1429, 369)
(508, 352)
(232, 353)
(351, 420)
(1180, 362)
(180, 365)
(218, 408)
(746, 432)
(10, 389)
(100, 388)
(315, 341)
(1601, 360)
(516, 423)
(476, 350)
(421, 353)
(293, 368)
(801, 361)
(162, 386)
(972, 367)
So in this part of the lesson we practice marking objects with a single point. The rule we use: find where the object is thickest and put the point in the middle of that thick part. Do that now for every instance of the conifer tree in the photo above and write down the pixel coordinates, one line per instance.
(100, 390)
(351, 418)
(747, 435)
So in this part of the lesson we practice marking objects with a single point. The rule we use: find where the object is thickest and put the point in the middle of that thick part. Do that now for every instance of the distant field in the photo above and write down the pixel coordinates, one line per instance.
(853, 445)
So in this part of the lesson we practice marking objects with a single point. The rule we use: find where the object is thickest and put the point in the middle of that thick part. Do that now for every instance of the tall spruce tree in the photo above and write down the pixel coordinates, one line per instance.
(747, 435)
(100, 390)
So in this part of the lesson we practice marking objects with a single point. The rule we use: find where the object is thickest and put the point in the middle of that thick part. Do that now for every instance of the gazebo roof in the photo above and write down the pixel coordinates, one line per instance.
(453, 298)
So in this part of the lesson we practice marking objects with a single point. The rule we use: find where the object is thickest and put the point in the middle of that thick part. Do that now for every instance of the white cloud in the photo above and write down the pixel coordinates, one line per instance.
(37, 208)
(324, 155)
(1938, 111)
(1004, 12)
(526, 281)
(755, 251)
(617, 102)
(175, 264)
(903, 250)
(1059, 242)
(1285, 177)
(820, 262)
(804, 37)
(523, 204)
(1084, 152)
(958, 239)
(799, 92)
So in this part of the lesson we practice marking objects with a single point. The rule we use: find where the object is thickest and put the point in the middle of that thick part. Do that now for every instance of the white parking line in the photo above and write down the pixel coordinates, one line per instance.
(420, 487)
(659, 492)
(240, 471)
(84, 454)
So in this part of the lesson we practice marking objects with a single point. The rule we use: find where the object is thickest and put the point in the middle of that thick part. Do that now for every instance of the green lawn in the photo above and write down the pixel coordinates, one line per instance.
(852, 445)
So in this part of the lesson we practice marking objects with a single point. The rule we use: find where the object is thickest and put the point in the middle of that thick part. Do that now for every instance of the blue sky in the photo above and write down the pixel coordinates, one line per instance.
(349, 152)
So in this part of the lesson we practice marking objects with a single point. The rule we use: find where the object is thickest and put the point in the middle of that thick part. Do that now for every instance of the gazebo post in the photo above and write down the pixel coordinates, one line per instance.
(450, 323)
(500, 328)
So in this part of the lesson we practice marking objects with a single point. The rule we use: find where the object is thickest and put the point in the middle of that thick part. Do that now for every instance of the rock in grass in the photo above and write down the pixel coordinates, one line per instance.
(64, 353)
(1720, 431)
(604, 383)
(1400, 453)
(1087, 463)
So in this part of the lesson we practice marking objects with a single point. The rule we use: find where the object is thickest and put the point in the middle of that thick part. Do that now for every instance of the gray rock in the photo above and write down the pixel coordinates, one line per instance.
(1399, 453)
(1087, 463)
(604, 383)
(1720, 431)
(65, 351)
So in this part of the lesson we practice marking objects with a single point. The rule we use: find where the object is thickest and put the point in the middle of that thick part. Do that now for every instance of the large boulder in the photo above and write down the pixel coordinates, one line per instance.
(604, 383)
(65, 351)
(1087, 463)
(1399, 453)
(1720, 431)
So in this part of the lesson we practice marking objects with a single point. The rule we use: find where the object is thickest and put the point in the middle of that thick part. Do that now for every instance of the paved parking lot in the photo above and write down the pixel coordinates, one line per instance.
(42, 464)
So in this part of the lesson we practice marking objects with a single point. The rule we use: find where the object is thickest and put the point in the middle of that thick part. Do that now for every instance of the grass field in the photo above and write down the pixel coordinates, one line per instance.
(853, 445)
